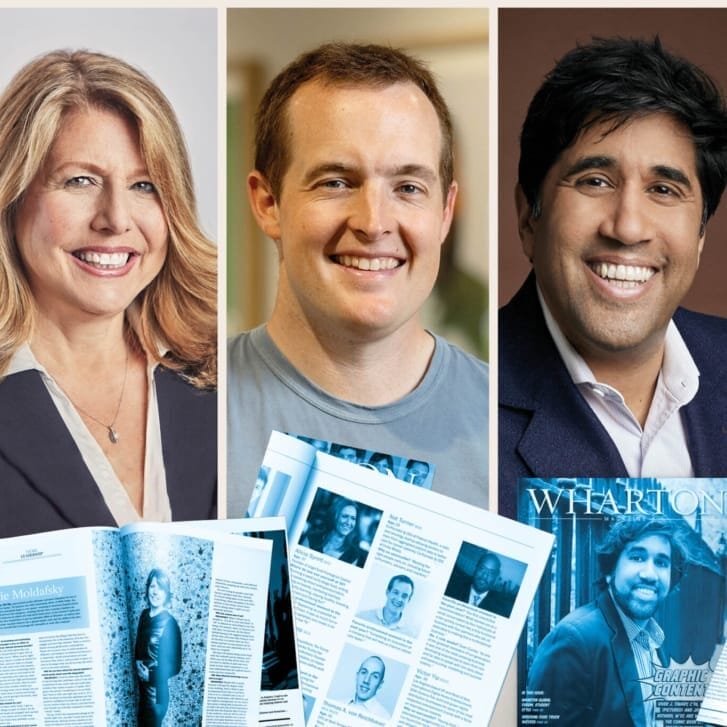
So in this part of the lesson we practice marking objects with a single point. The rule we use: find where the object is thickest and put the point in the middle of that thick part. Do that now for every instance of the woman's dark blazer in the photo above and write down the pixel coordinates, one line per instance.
(45, 484)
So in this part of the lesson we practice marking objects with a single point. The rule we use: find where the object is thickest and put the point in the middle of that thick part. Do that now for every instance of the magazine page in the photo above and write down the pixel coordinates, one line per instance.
(281, 699)
(714, 705)
(414, 471)
(630, 614)
(283, 474)
(382, 578)
(64, 640)
(197, 614)
(281, 480)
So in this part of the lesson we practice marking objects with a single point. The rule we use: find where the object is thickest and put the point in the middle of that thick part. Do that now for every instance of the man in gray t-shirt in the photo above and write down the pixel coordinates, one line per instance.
(353, 182)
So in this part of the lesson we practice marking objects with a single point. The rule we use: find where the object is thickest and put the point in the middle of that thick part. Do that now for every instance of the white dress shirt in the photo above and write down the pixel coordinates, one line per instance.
(645, 642)
(659, 449)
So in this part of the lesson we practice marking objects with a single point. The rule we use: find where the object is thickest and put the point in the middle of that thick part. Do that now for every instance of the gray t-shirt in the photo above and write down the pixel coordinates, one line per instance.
(443, 421)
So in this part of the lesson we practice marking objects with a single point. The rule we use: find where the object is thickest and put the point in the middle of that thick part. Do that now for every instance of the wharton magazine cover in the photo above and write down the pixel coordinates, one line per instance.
(629, 619)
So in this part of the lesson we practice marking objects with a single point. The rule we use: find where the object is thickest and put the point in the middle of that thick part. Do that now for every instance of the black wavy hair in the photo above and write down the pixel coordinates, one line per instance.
(614, 80)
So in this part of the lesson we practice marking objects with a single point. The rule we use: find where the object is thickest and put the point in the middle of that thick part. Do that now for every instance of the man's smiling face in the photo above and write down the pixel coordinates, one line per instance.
(617, 244)
(361, 213)
(642, 576)
(369, 678)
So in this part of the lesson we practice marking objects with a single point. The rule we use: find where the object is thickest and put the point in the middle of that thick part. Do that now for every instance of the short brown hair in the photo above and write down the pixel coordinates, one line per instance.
(341, 64)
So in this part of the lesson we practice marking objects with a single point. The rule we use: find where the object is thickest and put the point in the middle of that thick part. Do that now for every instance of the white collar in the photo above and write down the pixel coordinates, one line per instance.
(679, 374)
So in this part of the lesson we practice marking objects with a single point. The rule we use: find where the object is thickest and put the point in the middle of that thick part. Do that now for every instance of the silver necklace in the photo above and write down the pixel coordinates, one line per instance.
(110, 428)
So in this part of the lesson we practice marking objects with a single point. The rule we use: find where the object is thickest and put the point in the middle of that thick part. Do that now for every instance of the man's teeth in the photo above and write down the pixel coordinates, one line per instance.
(623, 276)
(104, 259)
(367, 263)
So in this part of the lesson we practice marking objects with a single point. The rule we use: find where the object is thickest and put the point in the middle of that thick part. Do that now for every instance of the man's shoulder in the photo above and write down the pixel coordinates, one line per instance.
(456, 362)
(701, 329)
(586, 622)
(522, 304)
(243, 346)
(527, 355)
(374, 707)
(500, 602)
(254, 351)
(254, 364)
(371, 615)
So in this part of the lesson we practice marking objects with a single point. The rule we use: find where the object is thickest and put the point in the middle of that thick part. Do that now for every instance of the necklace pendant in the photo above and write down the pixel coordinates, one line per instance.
(113, 435)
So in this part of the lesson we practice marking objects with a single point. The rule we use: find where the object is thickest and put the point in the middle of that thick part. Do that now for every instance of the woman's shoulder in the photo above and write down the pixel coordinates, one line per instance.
(352, 554)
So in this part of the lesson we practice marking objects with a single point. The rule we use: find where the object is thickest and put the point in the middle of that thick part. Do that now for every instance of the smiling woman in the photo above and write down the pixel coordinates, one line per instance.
(338, 536)
(107, 304)
(158, 650)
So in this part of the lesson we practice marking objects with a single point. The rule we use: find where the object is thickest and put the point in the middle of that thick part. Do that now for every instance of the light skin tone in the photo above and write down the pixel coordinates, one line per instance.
(335, 540)
(92, 234)
(486, 573)
(396, 599)
(358, 224)
(417, 473)
(369, 677)
(382, 465)
(348, 454)
(157, 597)
(346, 520)
(642, 576)
(617, 246)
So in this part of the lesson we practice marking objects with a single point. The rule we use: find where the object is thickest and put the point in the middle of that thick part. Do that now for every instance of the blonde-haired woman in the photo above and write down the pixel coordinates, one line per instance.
(107, 304)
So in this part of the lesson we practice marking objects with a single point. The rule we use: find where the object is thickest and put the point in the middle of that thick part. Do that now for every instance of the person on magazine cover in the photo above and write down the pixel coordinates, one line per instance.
(369, 678)
(479, 589)
(381, 462)
(416, 472)
(338, 536)
(399, 593)
(107, 304)
(158, 650)
(589, 667)
(353, 182)
(347, 453)
(623, 160)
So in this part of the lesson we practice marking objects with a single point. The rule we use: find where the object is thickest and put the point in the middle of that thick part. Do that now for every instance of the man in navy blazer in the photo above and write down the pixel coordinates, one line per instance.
(479, 589)
(623, 160)
(592, 669)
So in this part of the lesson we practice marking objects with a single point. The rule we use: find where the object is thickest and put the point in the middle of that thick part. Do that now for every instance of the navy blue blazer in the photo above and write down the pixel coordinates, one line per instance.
(586, 667)
(546, 428)
(495, 601)
(45, 484)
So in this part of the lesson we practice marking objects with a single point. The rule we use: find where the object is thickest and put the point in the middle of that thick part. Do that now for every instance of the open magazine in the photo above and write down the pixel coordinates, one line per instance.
(408, 604)
(281, 698)
(107, 628)
(629, 621)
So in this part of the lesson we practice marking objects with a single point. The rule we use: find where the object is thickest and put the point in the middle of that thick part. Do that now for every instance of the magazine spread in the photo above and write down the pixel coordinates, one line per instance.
(281, 698)
(408, 604)
(630, 614)
(106, 628)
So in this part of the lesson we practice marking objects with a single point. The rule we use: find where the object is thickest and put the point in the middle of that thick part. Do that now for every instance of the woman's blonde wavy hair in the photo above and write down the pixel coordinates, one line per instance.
(178, 309)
